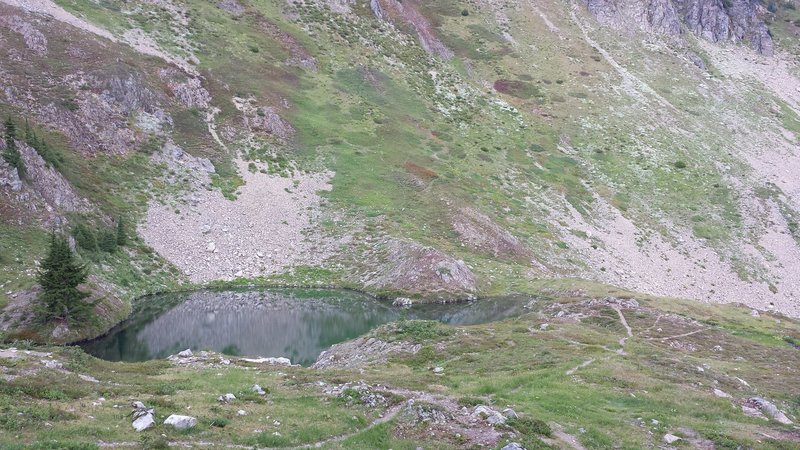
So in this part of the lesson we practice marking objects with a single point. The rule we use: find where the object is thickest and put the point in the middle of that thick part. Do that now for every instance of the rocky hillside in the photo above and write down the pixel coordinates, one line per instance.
(437, 149)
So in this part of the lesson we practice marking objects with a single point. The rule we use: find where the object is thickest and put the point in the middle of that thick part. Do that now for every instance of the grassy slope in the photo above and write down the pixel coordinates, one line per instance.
(613, 401)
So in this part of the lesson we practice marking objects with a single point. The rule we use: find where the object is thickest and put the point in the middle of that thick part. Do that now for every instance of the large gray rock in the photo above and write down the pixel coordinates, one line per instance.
(770, 410)
(491, 416)
(513, 446)
(143, 417)
(181, 422)
(741, 21)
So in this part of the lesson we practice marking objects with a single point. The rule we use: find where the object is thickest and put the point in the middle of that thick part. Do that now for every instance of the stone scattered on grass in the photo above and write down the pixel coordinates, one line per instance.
(769, 409)
(721, 394)
(226, 398)
(88, 378)
(513, 446)
(181, 422)
(491, 416)
(280, 361)
(257, 389)
(186, 353)
(143, 416)
(671, 438)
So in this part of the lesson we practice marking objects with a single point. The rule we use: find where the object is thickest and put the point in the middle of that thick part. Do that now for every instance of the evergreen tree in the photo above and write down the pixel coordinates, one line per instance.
(122, 232)
(11, 154)
(107, 240)
(85, 237)
(60, 275)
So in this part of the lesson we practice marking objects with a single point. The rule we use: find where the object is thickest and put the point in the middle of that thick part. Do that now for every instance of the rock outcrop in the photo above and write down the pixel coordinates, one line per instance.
(713, 20)
(416, 269)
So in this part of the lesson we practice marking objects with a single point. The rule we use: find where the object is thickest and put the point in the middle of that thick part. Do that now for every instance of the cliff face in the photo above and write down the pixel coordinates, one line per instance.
(713, 20)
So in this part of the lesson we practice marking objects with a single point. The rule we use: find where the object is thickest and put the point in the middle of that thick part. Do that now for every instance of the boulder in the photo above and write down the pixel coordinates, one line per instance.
(181, 422)
(257, 389)
(403, 302)
(491, 416)
(513, 446)
(280, 361)
(226, 398)
(143, 417)
(770, 410)
(186, 353)
(88, 378)
(671, 438)
(144, 422)
(510, 413)
(721, 394)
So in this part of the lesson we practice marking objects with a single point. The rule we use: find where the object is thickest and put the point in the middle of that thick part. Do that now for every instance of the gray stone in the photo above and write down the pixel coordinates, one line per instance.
(510, 413)
(671, 438)
(181, 422)
(143, 422)
(257, 389)
(403, 302)
(88, 378)
(491, 416)
(186, 353)
(226, 398)
(721, 394)
(143, 417)
(280, 361)
(770, 410)
(513, 446)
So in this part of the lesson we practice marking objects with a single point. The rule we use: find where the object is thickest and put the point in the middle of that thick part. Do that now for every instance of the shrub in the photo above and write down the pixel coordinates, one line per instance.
(107, 241)
(680, 164)
(84, 237)
(529, 426)
(464, 12)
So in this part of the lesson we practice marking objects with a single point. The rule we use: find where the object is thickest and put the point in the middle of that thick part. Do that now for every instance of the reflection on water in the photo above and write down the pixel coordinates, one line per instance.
(296, 323)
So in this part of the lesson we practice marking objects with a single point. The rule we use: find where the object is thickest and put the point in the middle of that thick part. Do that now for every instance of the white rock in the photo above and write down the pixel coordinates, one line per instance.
(510, 413)
(241, 412)
(211, 247)
(186, 353)
(88, 378)
(771, 410)
(721, 394)
(513, 446)
(402, 302)
(257, 389)
(438, 370)
(181, 422)
(671, 438)
(227, 397)
(280, 361)
(491, 416)
(144, 422)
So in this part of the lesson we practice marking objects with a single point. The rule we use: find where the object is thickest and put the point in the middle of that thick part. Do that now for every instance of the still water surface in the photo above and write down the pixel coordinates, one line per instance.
(296, 323)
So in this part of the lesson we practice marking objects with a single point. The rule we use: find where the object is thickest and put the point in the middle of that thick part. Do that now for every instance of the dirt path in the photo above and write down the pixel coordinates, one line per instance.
(627, 328)
(579, 366)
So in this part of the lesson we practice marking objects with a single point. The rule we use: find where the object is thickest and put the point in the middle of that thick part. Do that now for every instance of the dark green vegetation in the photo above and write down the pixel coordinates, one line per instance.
(11, 152)
(59, 277)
